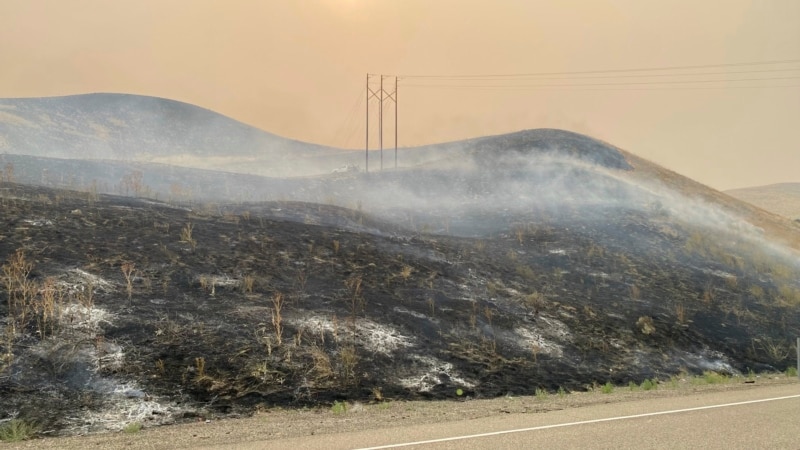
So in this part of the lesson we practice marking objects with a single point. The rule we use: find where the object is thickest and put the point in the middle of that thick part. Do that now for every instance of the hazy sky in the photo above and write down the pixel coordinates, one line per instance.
(297, 68)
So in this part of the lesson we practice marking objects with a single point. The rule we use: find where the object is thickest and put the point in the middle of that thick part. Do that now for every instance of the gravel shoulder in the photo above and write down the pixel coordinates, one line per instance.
(281, 423)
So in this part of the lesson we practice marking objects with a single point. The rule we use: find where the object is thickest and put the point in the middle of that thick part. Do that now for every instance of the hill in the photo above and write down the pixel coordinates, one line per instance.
(134, 128)
(782, 198)
(541, 260)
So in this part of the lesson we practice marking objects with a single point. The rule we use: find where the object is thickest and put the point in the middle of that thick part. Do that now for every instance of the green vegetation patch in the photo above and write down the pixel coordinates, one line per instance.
(16, 430)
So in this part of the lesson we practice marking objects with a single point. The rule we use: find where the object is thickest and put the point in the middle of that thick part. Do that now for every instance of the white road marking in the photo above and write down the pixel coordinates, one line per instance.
(584, 422)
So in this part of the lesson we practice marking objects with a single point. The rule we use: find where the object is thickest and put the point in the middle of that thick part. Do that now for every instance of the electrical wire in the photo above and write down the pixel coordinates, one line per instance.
(679, 77)
(350, 119)
(656, 75)
(631, 83)
(568, 88)
(609, 71)
(355, 128)
(662, 78)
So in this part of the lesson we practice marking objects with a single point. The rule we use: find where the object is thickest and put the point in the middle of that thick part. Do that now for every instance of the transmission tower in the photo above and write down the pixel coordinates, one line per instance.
(383, 96)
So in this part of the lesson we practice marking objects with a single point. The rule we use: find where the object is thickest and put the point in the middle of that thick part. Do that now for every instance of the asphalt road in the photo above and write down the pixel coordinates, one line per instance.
(768, 420)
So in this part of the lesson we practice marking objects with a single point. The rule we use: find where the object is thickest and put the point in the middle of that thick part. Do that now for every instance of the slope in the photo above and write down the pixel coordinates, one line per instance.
(504, 264)
(137, 128)
(781, 198)
(543, 271)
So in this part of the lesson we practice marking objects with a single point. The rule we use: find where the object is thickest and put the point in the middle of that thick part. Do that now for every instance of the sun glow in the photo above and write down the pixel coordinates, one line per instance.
(345, 7)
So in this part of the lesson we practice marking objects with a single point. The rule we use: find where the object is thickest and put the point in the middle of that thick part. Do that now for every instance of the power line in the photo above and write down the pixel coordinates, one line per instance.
(655, 75)
(623, 88)
(679, 77)
(354, 129)
(631, 83)
(349, 120)
(580, 72)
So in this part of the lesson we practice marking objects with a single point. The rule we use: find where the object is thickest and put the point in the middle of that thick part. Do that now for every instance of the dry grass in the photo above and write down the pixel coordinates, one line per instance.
(18, 287)
(348, 360)
(186, 235)
(127, 271)
(646, 325)
(520, 232)
(321, 370)
(248, 281)
(680, 313)
(405, 272)
(783, 199)
(277, 317)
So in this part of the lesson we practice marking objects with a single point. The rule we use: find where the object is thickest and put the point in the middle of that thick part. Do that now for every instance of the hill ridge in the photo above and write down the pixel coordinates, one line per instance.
(129, 127)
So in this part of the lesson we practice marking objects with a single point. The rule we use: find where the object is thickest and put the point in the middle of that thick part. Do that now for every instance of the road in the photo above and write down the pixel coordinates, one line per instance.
(761, 417)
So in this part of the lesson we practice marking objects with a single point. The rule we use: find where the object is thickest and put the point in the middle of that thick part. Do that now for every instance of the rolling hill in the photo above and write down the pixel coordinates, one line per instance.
(140, 129)
(782, 198)
(538, 260)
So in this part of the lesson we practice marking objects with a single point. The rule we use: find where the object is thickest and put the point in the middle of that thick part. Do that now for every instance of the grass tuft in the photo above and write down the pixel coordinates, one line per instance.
(133, 427)
(339, 407)
(648, 385)
(714, 378)
(541, 394)
(16, 430)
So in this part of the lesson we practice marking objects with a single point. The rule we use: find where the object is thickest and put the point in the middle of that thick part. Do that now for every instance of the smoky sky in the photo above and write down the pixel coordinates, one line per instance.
(297, 69)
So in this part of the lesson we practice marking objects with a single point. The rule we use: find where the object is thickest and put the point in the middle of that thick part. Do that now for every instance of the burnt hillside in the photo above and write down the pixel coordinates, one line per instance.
(164, 312)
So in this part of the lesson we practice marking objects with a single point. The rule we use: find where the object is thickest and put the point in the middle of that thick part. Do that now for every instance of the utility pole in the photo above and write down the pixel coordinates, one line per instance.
(366, 147)
(395, 123)
(380, 120)
(371, 93)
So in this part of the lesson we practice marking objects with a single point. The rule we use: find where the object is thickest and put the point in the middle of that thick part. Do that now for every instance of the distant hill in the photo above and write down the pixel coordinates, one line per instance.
(136, 128)
(110, 143)
(781, 198)
(149, 130)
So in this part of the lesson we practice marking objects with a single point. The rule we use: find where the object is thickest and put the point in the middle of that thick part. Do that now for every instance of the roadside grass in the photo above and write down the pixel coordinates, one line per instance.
(683, 380)
(715, 378)
(339, 407)
(384, 405)
(679, 382)
(649, 385)
(133, 427)
(16, 430)
(541, 394)
(676, 382)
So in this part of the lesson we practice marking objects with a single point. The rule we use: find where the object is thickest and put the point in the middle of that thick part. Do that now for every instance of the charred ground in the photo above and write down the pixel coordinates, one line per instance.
(233, 307)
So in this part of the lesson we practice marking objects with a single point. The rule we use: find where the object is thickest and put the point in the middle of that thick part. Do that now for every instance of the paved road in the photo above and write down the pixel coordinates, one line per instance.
(774, 423)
